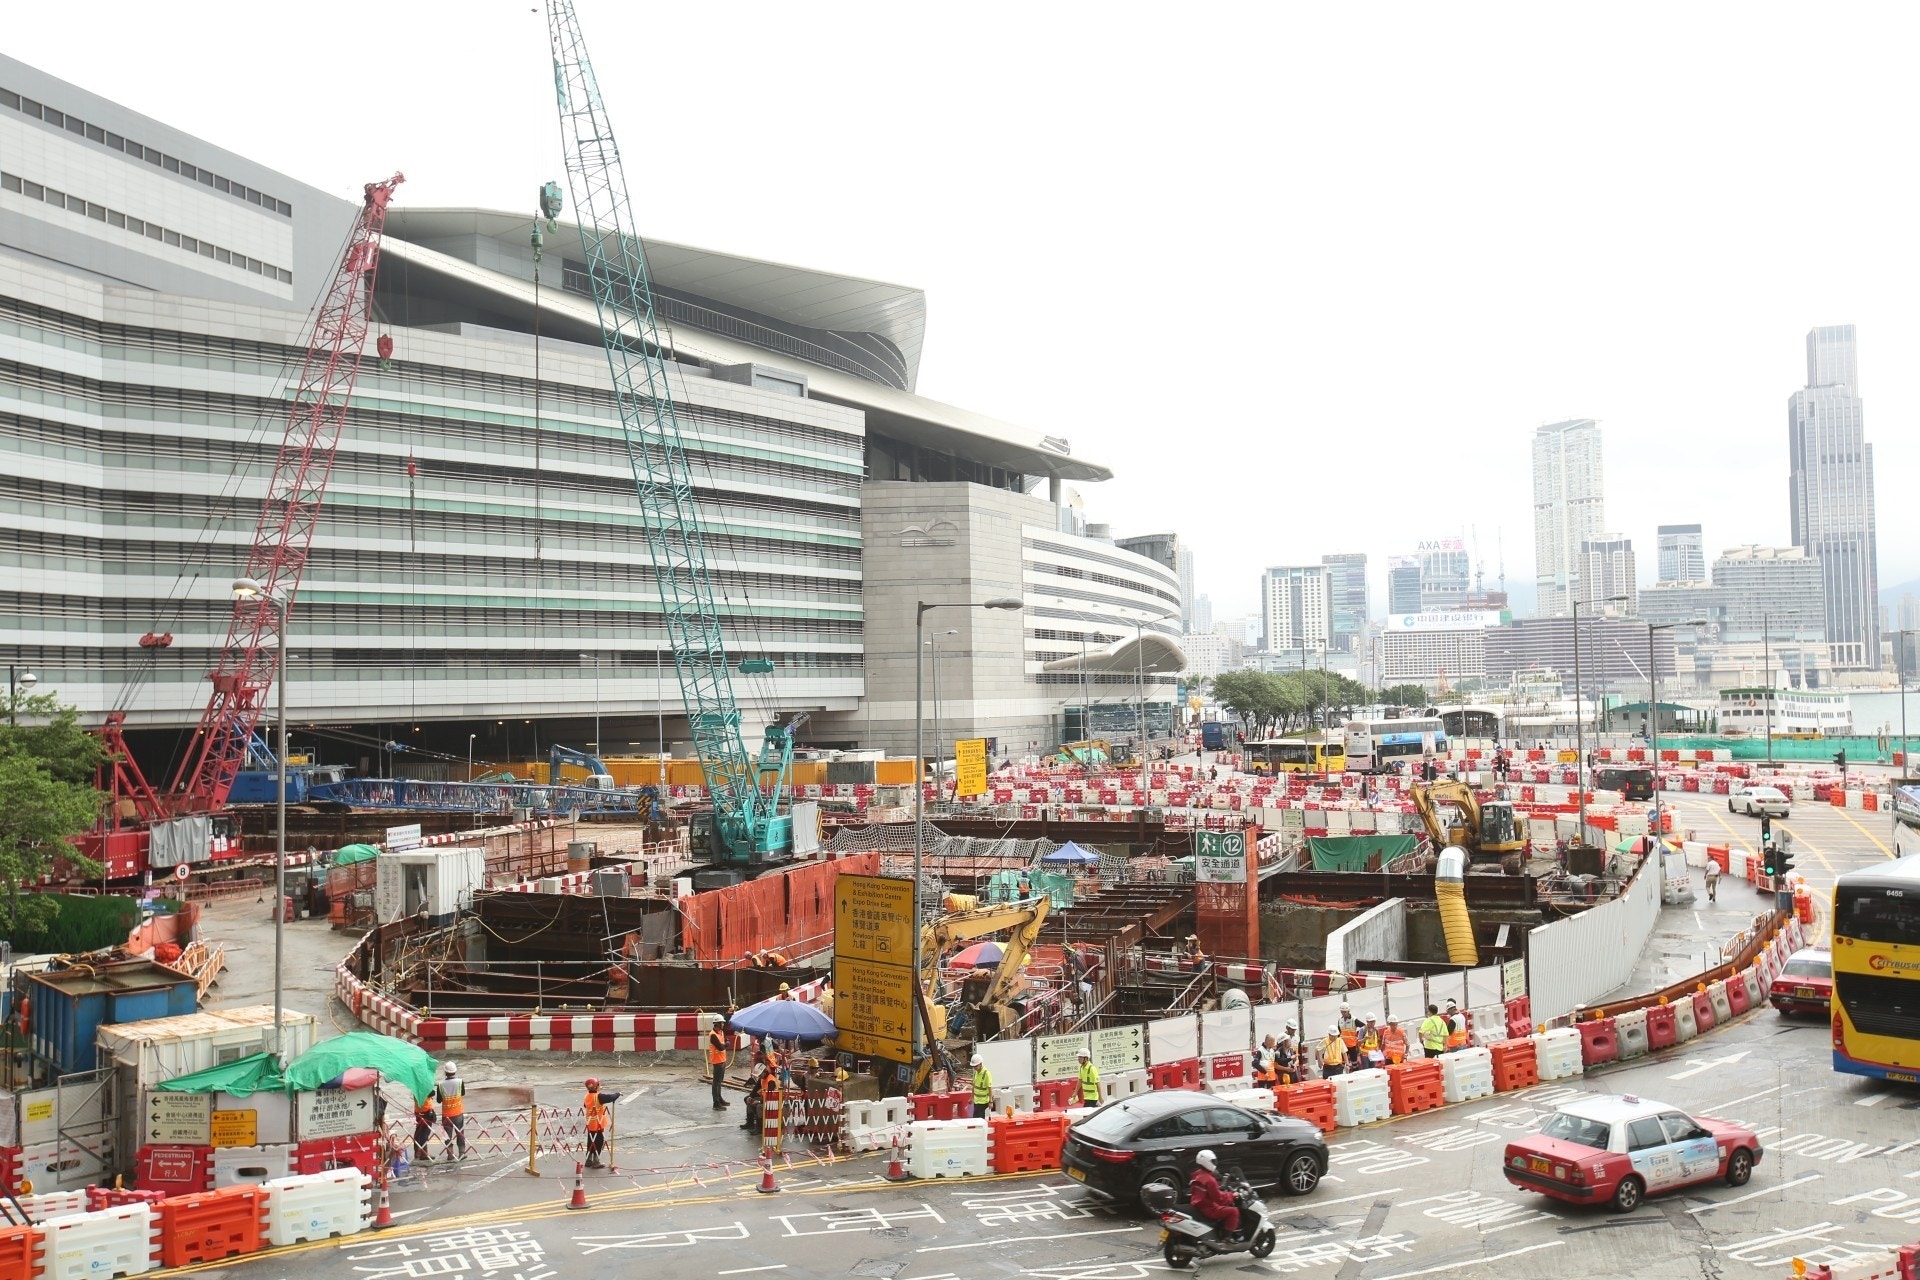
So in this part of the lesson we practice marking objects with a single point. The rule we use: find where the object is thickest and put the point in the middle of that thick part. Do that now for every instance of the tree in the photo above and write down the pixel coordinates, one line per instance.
(47, 797)
(1404, 695)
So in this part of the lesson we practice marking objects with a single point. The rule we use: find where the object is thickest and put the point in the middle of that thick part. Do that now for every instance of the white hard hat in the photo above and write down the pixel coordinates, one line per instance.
(1206, 1161)
(1291, 1027)
(451, 1070)
(1083, 1054)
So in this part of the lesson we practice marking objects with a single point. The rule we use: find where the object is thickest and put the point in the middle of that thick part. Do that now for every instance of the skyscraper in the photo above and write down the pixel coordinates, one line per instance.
(1183, 565)
(1830, 492)
(1403, 584)
(1569, 506)
(1201, 622)
(1445, 574)
(1347, 573)
(1683, 553)
(1606, 571)
(1293, 599)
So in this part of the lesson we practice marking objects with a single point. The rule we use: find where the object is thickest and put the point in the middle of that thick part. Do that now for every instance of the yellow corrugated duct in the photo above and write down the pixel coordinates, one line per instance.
(1452, 897)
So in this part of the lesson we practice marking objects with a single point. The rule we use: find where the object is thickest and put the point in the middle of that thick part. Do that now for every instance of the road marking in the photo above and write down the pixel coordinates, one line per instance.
(1747, 1098)
(1818, 852)
(741, 1271)
(1871, 1100)
(1063, 1235)
(1708, 1064)
(1366, 1195)
(1764, 1191)
(1473, 1262)
(1863, 831)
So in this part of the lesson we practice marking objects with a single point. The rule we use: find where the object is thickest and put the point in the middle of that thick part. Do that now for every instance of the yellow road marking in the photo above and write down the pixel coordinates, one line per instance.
(1863, 831)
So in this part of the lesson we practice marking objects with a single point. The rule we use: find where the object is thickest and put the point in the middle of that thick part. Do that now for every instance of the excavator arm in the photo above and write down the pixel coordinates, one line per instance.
(1488, 833)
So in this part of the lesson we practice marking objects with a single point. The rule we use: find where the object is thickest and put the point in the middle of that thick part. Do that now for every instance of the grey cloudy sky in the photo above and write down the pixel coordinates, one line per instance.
(1306, 277)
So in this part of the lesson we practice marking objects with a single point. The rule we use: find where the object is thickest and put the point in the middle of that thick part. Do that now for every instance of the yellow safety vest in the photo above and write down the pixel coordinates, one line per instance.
(1089, 1082)
(982, 1087)
(1334, 1051)
(1433, 1032)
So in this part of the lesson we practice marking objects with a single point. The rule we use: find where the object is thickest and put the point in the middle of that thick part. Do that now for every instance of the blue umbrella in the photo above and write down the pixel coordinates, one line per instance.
(1071, 852)
(783, 1020)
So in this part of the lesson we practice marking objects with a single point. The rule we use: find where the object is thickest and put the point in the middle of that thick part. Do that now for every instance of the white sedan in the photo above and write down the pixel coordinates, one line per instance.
(1770, 801)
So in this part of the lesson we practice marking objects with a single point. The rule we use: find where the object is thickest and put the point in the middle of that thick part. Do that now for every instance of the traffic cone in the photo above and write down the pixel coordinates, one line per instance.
(896, 1167)
(768, 1186)
(579, 1200)
(383, 1216)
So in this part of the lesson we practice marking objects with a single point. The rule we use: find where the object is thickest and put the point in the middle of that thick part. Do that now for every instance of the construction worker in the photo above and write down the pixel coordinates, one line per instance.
(717, 1058)
(1286, 1064)
(453, 1110)
(1433, 1032)
(1350, 1035)
(1713, 880)
(1191, 957)
(786, 992)
(1333, 1053)
(982, 1091)
(599, 1117)
(1457, 1034)
(1370, 1051)
(1265, 1072)
(1089, 1080)
(424, 1120)
(757, 1086)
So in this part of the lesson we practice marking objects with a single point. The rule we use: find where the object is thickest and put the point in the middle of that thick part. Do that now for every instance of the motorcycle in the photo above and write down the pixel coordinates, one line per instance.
(1185, 1238)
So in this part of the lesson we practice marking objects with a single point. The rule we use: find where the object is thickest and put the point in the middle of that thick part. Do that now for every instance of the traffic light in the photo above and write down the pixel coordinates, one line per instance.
(1767, 851)
(1840, 760)
(1783, 858)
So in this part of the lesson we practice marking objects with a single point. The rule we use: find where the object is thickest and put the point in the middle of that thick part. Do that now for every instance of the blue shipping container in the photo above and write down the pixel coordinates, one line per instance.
(71, 1005)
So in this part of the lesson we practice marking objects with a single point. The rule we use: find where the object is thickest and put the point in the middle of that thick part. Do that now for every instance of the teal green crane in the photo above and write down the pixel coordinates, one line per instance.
(749, 828)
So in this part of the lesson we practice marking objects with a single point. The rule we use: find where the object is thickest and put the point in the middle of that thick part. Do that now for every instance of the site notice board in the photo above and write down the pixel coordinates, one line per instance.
(873, 966)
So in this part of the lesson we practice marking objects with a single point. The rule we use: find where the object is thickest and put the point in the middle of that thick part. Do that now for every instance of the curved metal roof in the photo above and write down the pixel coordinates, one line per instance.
(1149, 654)
(900, 414)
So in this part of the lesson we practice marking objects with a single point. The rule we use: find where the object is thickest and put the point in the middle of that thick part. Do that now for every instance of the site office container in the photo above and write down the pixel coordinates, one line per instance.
(443, 879)
(148, 1054)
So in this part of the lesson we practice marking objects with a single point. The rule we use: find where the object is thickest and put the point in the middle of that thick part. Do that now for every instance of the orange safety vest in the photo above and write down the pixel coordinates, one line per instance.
(716, 1048)
(452, 1104)
(596, 1113)
(1457, 1038)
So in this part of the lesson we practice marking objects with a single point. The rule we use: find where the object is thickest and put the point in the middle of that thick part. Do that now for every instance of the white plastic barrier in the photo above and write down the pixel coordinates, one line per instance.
(1360, 1097)
(1756, 989)
(1631, 1030)
(870, 1124)
(1722, 1011)
(1685, 1027)
(1487, 1023)
(1466, 1074)
(109, 1242)
(947, 1148)
(1251, 1099)
(1017, 1096)
(235, 1166)
(1557, 1052)
(53, 1204)
(1122, 1084)
(1737, 862)
(315, 1206)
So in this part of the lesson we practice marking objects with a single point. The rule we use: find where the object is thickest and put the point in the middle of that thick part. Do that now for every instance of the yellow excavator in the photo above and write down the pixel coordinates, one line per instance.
(1489, 833)
(988, 999)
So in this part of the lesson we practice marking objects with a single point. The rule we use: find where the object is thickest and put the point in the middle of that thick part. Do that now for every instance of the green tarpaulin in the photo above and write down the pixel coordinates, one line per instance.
(393, 1059)
(1357, 853)
(347, 855)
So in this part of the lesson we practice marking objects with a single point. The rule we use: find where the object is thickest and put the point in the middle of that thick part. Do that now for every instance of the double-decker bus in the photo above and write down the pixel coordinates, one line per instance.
(1375, 745)
(1295, 755)
(1876, 971)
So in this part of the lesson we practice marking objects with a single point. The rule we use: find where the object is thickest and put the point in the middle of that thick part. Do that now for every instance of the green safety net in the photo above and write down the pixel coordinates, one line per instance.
(1357, 853)
(320, 1065)
(1859, 748)
(1057, 887)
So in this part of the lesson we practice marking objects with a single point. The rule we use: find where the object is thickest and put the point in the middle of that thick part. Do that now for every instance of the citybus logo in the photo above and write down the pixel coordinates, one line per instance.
(1879, 964)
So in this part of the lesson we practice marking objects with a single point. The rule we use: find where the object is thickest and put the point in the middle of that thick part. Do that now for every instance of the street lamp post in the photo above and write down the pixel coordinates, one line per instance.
(921, 609)
(1653, 709)
(251, 589)
(470, 738)
(940, 755)
(17, 685)
(1579, 719)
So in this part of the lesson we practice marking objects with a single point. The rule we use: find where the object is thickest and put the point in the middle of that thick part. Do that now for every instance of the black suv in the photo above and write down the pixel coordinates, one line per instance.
(1153, 1137)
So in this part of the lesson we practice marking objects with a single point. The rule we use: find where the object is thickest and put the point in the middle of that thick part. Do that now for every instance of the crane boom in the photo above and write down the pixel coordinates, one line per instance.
(284, 535)
(748, 826)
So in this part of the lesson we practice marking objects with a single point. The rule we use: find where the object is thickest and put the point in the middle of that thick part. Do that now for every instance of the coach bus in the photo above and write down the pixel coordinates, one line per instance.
(1876, 971)
(1377, 745)
(1296, 755)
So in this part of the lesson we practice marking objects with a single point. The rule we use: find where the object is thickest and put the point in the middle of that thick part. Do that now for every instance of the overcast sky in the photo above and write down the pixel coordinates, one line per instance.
(1305, 277)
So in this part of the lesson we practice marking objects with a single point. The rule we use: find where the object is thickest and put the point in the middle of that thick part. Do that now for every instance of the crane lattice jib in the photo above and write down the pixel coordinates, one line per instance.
(617, 268)
(284, 536)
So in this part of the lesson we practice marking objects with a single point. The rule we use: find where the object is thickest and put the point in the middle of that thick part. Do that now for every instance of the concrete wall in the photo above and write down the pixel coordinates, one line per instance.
(1295, 936)
(1379, 934)
(1577, 960)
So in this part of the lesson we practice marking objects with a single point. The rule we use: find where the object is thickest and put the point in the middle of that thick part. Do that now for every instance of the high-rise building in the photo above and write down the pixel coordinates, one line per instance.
(1830, 491)
(1683, 553)
(1347, 571)
(1294, 600)
(1184, 567)
(1201, 620)
(1403, 584)
(1607, 572)
(1771, 593)
(1569, 506)
(1445, 574)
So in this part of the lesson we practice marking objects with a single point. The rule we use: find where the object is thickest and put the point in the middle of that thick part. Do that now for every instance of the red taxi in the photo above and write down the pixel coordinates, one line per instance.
(1619, 1149)
(1804, 983)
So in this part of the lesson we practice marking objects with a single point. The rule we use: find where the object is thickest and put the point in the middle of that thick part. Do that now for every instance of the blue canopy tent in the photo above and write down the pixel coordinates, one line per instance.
(1071, 853)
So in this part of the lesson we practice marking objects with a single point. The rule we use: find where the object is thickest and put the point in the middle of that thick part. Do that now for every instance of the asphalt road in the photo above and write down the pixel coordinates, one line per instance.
(1406, 1198)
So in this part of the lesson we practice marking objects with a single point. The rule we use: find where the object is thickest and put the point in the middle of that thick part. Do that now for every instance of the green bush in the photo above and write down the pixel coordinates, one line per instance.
(81, 924)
